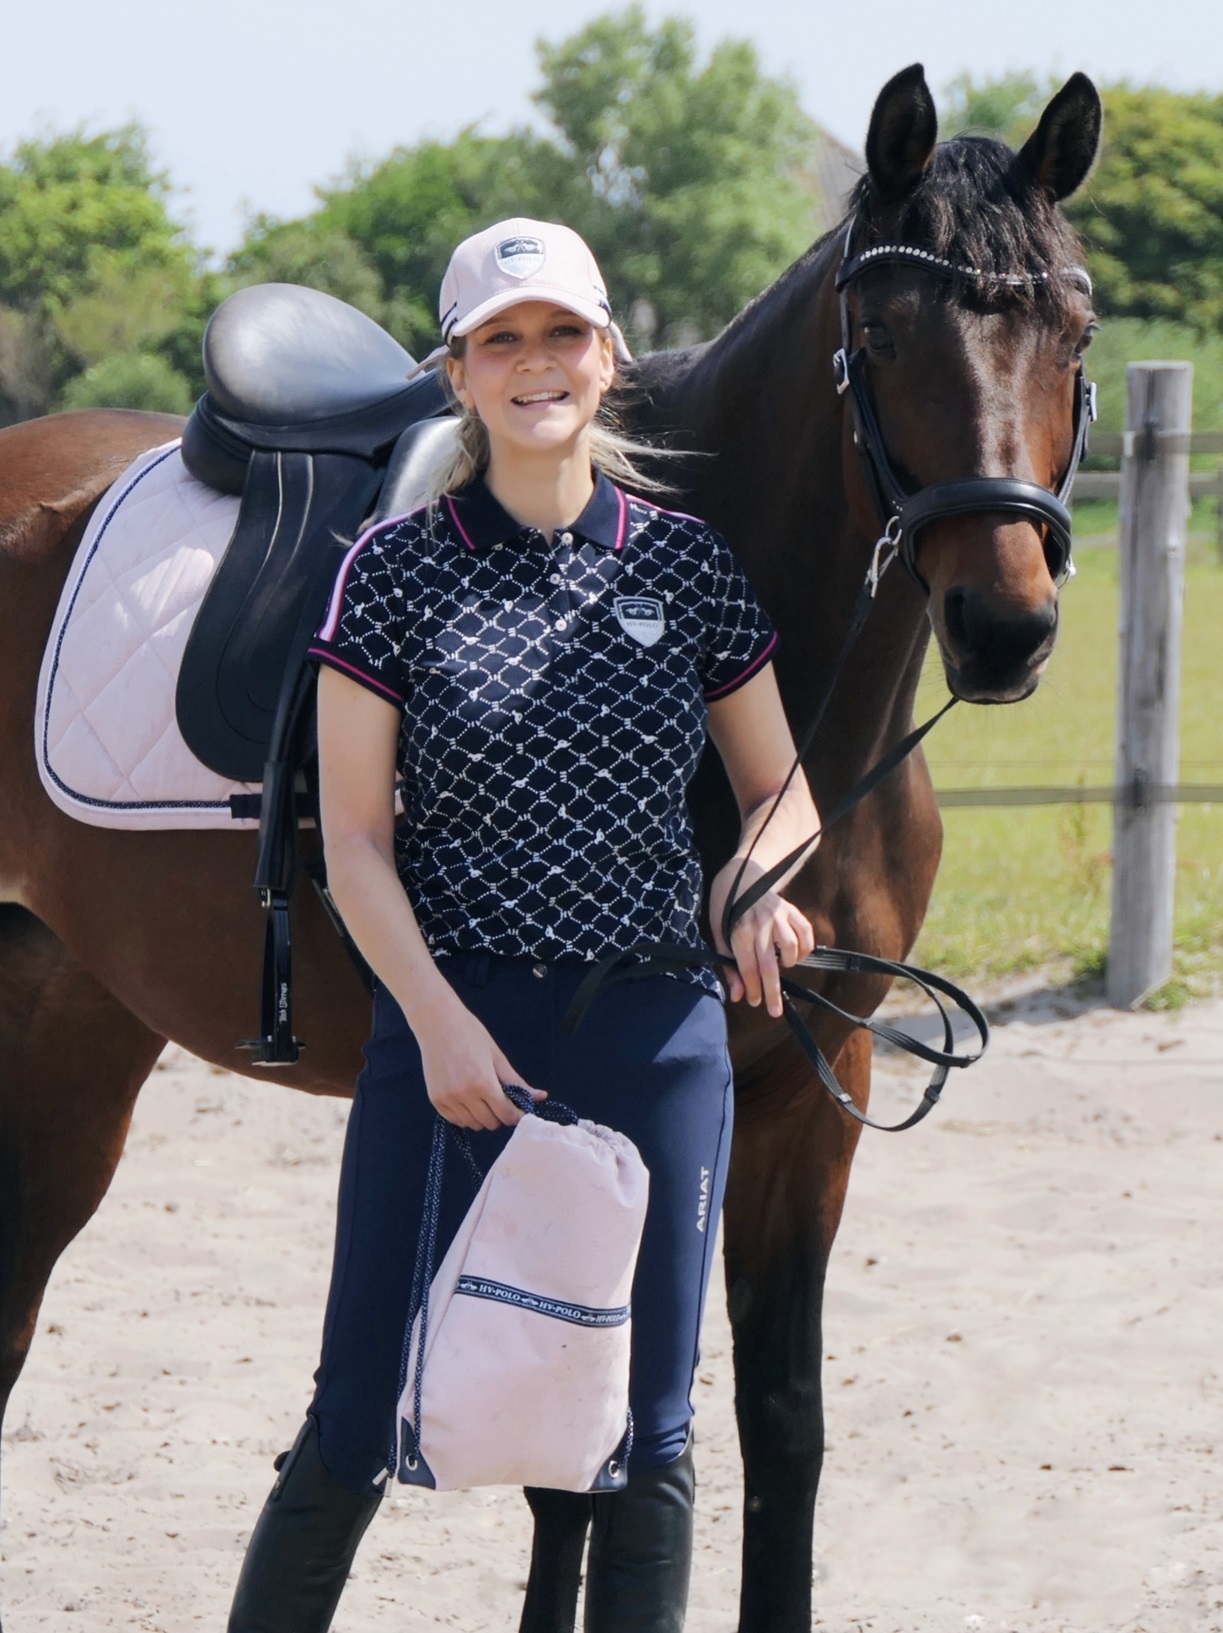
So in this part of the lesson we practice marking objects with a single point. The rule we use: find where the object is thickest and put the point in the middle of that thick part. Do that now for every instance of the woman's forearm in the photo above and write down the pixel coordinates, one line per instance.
(369, 894)
(795, 821)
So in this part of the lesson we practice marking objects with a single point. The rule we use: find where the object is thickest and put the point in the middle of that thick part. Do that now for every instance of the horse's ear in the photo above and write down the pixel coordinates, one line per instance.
(1062, 148)
(904, 129)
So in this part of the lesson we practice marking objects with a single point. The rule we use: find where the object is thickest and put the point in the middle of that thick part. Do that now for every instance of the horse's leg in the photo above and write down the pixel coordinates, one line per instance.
(789, 1170)
(71, 1062)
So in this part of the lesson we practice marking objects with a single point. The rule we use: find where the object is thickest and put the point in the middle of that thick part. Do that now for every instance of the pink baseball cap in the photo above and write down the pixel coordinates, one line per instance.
(521, 260)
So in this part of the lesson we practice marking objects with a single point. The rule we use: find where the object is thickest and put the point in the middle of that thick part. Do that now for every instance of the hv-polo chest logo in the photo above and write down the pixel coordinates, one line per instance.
(641, 616)
(520, 257)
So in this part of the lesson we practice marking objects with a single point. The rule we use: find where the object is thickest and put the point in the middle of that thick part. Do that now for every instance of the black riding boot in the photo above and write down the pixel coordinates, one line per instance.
(640, 1556)
(302, 1546)
(562, 1519)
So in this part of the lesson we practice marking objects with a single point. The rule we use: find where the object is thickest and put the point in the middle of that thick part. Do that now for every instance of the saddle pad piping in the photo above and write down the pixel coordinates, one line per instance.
(218, 807)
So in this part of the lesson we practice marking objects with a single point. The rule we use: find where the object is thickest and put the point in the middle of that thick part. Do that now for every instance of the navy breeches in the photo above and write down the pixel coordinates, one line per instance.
(649, 1059)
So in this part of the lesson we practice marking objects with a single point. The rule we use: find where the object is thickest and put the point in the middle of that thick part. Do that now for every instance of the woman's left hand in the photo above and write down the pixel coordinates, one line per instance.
(771, 936)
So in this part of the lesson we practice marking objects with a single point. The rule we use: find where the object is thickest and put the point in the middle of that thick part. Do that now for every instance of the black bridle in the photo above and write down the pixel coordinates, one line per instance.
(905, 512)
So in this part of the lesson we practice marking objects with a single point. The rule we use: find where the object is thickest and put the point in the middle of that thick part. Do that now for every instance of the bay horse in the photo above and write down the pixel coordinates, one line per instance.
(113, 942)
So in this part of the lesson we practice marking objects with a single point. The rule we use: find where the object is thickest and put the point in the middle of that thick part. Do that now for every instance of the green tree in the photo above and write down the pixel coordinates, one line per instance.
(692, 180)
(66, 199)
(307, 252)
(90, 259)
(129, 380)
(696, 172)
(407, 213)
(1151, 213)
(1007, 107)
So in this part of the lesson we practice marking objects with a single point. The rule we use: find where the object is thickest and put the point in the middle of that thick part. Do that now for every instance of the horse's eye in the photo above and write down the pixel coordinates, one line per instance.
(875, 334)
(1089, 334)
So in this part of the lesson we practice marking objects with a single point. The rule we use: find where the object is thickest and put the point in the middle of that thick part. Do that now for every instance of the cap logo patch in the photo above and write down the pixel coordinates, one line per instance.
(520, 257)
(641, 617)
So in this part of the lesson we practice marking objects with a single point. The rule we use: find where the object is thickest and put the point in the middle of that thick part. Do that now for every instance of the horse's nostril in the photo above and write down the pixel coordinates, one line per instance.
(954, 619)
(975, 627)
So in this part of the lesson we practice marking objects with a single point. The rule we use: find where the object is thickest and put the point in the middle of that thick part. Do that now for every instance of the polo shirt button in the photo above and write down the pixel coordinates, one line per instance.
(539, 970)
(566, 538)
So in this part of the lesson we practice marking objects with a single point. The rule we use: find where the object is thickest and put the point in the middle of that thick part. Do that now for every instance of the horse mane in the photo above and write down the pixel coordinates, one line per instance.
(978, 205)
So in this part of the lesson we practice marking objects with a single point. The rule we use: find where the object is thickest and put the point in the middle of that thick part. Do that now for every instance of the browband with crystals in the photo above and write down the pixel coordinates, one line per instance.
(905, 511)
(852, 266)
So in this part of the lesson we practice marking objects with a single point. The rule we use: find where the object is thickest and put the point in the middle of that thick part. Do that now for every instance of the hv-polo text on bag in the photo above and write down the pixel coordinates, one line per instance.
(522, 1377)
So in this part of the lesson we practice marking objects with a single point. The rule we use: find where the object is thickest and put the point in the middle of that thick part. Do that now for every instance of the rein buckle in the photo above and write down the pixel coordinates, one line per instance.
(887, 548)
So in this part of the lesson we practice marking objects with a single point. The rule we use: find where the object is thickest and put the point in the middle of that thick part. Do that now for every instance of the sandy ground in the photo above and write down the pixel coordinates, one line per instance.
(1024, 1365)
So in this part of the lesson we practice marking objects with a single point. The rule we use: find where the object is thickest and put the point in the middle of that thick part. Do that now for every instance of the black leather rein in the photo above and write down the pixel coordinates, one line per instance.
(903, 511)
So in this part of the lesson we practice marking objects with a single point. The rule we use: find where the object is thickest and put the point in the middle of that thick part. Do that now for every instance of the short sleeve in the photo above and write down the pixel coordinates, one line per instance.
(363, 631)
(740, 639)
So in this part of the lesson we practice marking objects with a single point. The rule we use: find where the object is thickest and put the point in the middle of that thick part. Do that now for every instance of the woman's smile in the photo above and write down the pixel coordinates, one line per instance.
(536, 399)
(535, 375)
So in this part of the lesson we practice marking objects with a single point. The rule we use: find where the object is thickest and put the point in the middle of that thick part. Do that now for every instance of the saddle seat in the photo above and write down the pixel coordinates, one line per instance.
(296, 370)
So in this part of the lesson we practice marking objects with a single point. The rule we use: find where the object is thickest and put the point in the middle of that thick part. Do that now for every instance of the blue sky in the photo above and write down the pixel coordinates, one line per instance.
(250, 103)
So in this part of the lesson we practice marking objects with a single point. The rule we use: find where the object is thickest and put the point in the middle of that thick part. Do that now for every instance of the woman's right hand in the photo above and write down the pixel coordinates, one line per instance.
(464, 1070)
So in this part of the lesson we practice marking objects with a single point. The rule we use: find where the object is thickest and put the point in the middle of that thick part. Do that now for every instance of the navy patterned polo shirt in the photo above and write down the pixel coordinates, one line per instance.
(553, 697)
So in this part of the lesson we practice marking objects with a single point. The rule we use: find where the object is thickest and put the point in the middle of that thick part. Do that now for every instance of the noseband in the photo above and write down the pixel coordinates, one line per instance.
(905, 512)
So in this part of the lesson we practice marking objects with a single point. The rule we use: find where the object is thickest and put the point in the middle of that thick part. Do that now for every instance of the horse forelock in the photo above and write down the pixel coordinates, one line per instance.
(977, 205)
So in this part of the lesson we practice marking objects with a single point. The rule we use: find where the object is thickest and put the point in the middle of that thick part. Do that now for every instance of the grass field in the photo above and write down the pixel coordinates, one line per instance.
(1022, 888)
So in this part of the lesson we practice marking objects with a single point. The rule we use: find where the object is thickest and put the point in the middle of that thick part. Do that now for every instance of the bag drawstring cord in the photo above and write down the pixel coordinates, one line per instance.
(550, 1111)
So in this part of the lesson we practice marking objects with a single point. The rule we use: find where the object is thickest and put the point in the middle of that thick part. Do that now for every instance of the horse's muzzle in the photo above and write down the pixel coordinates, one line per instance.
(992, 657)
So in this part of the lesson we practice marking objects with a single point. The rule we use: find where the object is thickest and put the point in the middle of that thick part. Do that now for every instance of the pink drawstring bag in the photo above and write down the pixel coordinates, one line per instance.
(516, 1360)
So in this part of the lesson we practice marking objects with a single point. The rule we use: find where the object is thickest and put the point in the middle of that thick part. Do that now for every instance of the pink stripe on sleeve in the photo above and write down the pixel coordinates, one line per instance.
(332, 620)
(758, 662)
(362, 675)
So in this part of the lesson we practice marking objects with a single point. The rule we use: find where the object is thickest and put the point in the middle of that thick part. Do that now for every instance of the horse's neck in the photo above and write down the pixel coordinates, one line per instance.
(759, 406)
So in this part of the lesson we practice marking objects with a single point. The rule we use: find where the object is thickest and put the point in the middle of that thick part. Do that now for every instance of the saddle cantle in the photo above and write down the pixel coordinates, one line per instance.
(310, 416)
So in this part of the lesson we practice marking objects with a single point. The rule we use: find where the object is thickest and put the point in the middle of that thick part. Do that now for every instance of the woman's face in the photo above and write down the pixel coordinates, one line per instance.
(535, 375)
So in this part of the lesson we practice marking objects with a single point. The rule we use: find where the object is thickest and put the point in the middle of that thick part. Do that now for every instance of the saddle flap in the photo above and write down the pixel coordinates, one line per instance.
(264, 603)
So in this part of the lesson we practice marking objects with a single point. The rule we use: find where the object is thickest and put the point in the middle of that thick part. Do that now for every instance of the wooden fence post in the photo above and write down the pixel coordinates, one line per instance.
(1154, 518)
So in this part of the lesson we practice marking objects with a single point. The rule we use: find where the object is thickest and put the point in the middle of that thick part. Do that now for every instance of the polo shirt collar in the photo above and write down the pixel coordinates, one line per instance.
(482, 521)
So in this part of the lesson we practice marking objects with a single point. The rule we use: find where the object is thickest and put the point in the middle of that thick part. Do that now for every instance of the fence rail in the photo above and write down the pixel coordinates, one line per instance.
(1115, 444)
(1134, 797)
(1123, 444)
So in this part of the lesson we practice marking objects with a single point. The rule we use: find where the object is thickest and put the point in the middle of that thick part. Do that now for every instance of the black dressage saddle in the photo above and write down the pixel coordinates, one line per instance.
(310, 415)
